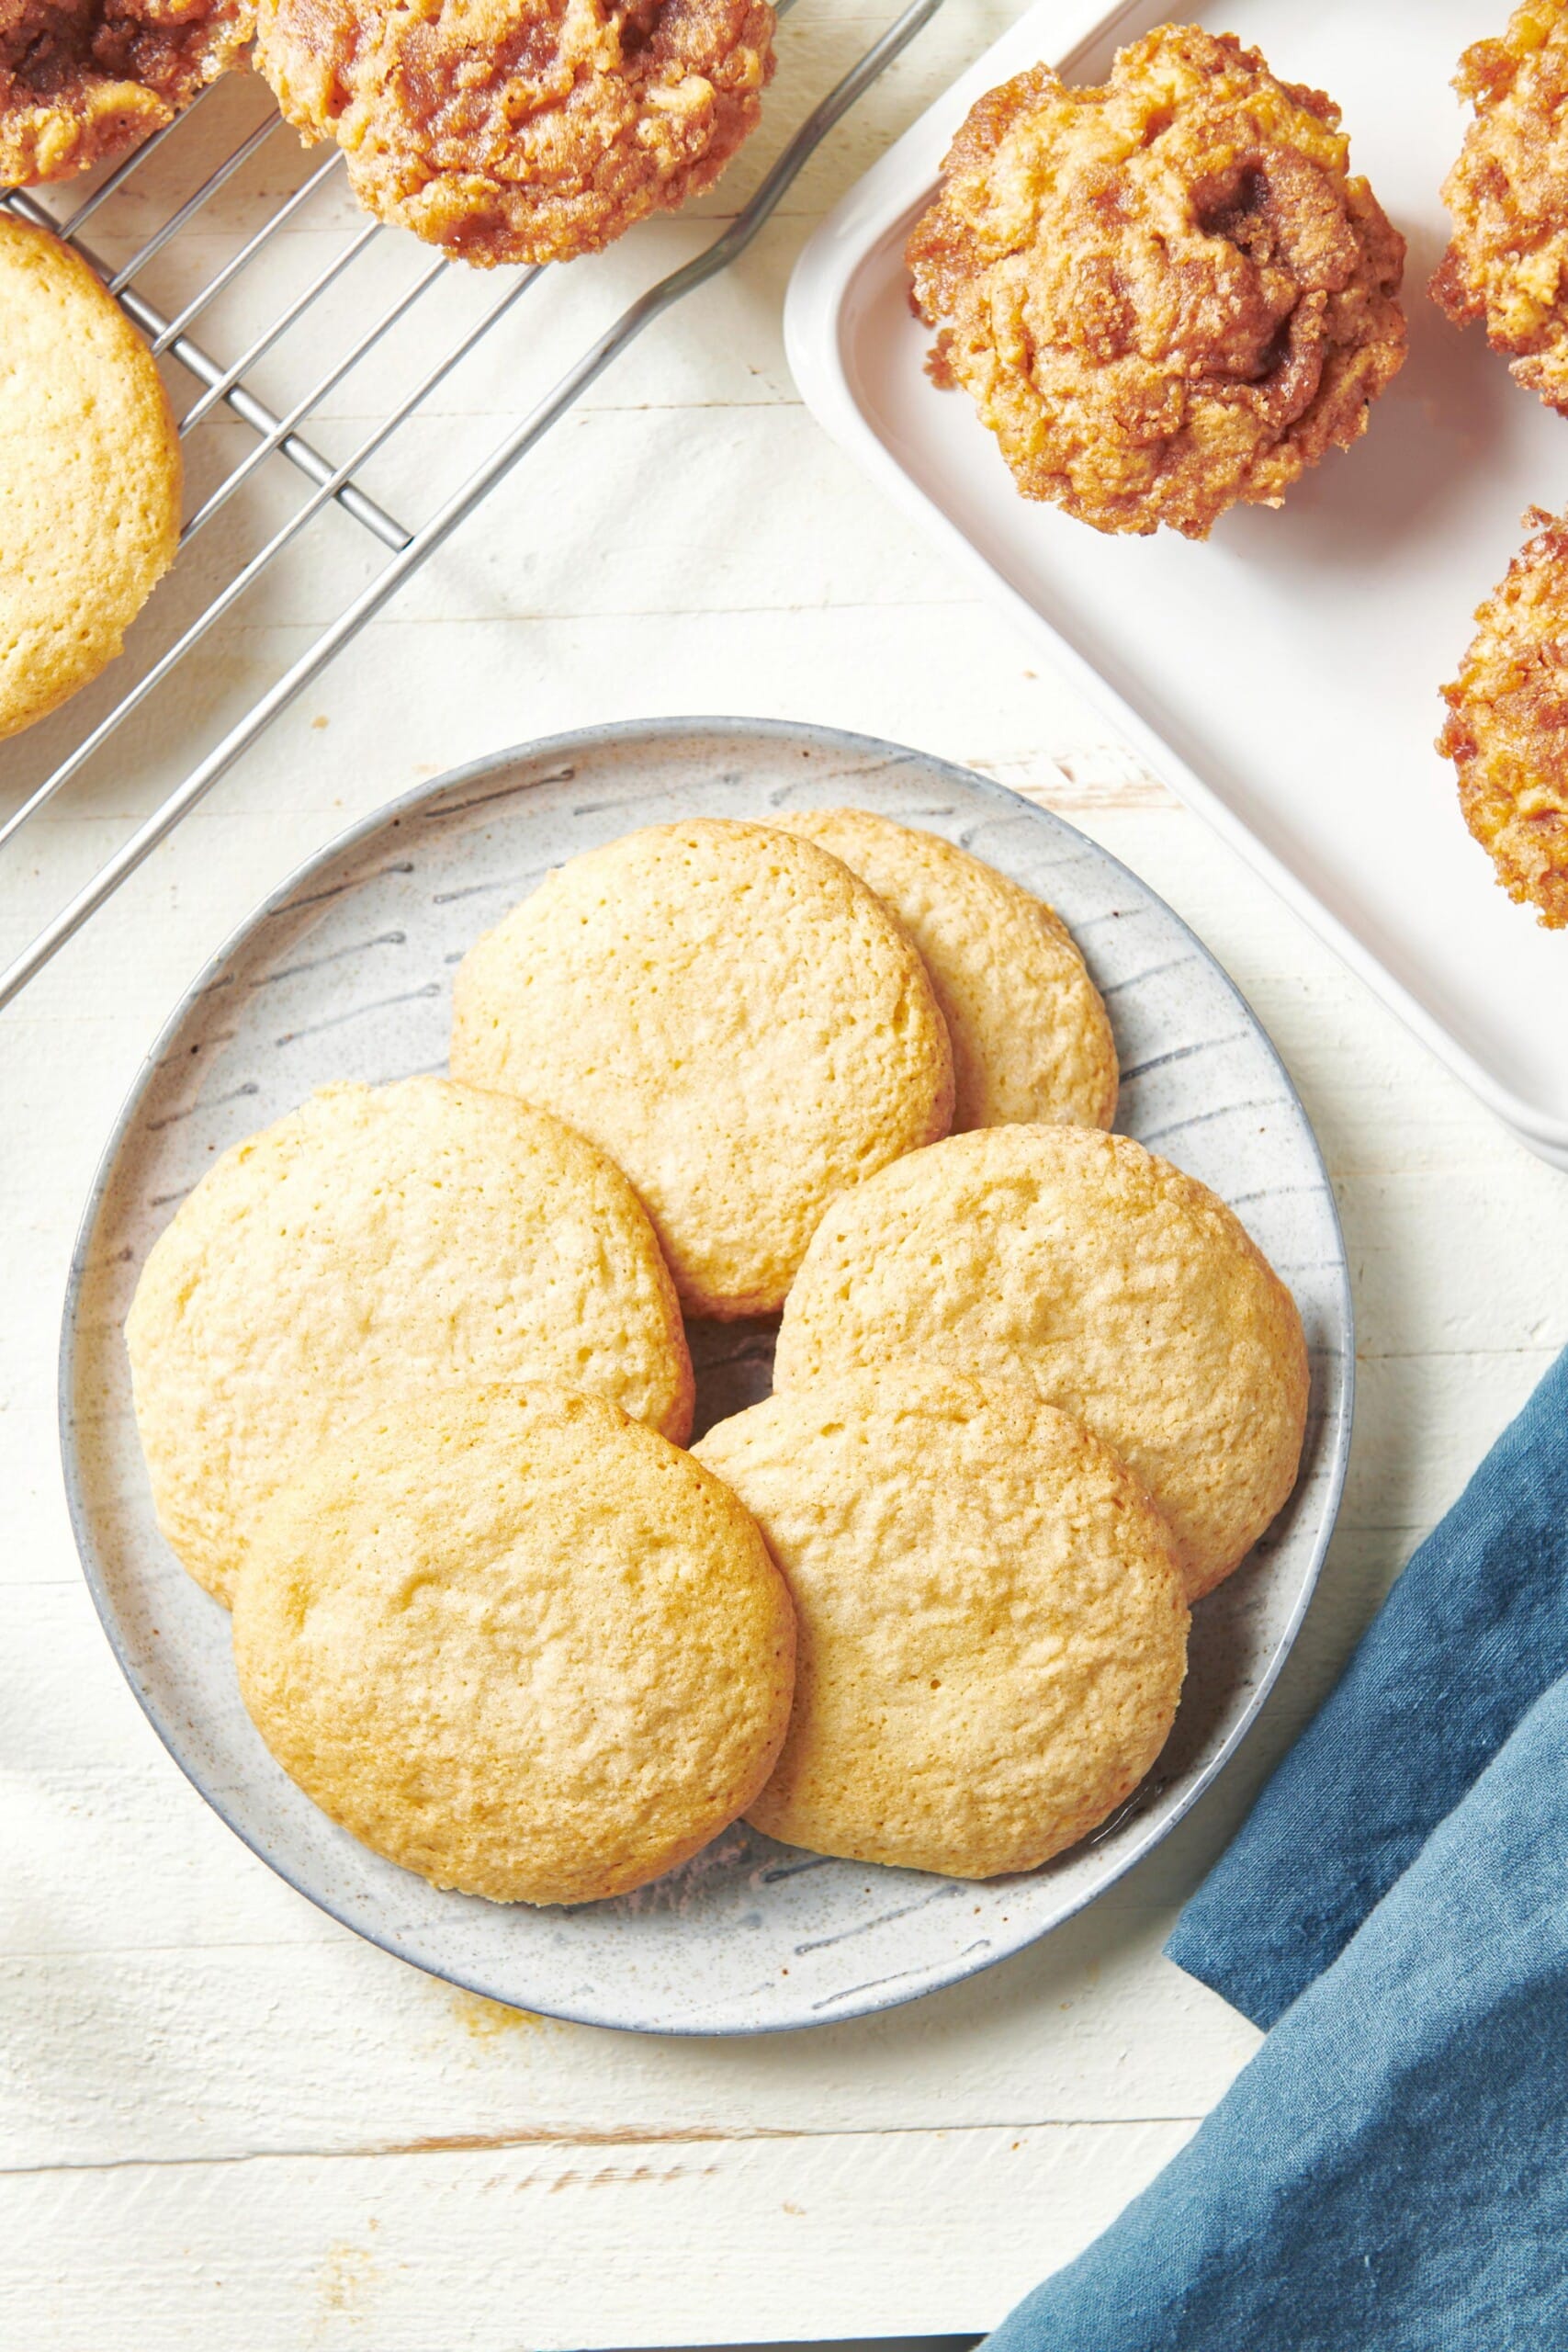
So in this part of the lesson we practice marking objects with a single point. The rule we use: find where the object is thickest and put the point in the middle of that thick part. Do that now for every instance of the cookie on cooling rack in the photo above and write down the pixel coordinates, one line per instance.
(518, 130)
(1031, 1039)
(991, 1628)
(1114, 1286)
(1166, 294)
(374, 1239)
(90, 475)
(734, 1017)
(83, 82)
(516, 1642)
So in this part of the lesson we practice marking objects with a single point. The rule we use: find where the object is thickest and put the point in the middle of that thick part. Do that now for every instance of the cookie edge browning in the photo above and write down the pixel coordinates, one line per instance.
(286, 1525)
(154, 418)
(1027, 1414)
(1020, 903)
(699, 1301)
(798, 1359)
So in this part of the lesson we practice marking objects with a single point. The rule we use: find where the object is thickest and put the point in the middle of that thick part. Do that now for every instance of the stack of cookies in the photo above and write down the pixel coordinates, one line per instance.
(411, 1375)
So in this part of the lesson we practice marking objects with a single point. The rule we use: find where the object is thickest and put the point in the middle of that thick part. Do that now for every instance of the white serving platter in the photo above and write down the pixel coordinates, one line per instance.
(1284, 678)
(346, 972)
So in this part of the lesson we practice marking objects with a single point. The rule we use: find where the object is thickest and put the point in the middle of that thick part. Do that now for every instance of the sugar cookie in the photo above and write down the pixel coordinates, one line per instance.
(1120, 1289)
(991, 1628)
(517, 1643)
(735, 1018)
(376, 1237)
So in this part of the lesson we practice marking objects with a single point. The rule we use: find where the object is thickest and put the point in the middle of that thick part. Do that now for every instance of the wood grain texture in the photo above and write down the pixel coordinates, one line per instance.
(216, 2108)
(495, 2246)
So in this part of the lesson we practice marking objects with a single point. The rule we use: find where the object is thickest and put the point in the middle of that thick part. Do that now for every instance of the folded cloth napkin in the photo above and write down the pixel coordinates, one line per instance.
(1390, 2173)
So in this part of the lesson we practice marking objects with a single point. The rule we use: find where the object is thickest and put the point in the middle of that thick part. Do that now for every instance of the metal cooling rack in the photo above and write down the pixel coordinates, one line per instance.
(195, 325)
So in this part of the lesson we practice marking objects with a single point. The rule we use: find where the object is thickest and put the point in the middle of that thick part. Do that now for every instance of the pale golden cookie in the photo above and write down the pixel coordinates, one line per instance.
(1165, 294)
(992, 1632)
(735, 1018)
(1030, 1036)
(377, 1238)
(90, 475)
(522, 130)
(1121, 1289)
(516, 1642)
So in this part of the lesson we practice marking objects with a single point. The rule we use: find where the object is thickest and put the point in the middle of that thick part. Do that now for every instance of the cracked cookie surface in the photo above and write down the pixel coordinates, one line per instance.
(991, 1630)
(517, 1643)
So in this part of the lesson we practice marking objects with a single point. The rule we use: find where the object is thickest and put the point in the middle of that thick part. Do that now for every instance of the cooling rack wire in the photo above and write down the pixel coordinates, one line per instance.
(259, 461)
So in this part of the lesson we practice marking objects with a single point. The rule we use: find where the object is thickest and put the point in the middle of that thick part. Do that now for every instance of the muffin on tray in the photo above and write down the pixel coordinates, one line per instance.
(1508, 195)
(1166, 295)
(1506, 731)
(522, 130)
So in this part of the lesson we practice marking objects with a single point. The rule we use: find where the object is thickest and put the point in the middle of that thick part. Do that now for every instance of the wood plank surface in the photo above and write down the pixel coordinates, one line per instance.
(225, 2121)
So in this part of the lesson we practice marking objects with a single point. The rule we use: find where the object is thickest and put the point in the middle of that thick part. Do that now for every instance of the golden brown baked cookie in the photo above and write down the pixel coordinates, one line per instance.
(517, 1643)
(377, 1239)
(1031, 1039)
(992, 1633)
(734, 1017)
(1167, 294)
(1507, 731)
(1120, 1289)
(522, 130)
(84, 81)
(90, 475)
(1507, 195)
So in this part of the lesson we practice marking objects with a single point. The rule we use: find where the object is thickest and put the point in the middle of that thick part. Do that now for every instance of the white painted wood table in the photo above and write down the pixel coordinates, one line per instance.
(224, 2123)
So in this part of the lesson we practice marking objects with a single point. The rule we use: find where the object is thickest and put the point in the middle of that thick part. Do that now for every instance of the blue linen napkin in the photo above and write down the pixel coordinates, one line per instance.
(1390, 2173)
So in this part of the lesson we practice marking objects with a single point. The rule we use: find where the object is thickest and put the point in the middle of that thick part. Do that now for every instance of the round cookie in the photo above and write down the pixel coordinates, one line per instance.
(991, 1629)
(1117, 1287)
(377, 1238)
(90, 475)
(517, 1643)
(1031, 1039)
(522, 130)
(84, 81)
(735, 1018)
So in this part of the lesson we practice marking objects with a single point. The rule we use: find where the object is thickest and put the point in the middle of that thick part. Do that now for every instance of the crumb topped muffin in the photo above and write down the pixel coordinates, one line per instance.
(1507, 261)
(1166, 295)
(1506, 731)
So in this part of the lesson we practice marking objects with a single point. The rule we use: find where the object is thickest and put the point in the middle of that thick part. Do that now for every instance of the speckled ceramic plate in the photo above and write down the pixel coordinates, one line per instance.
(344, 972)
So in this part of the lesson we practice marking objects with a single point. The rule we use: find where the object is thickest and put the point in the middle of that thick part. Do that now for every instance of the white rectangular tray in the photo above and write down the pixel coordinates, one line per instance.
(1283, 677)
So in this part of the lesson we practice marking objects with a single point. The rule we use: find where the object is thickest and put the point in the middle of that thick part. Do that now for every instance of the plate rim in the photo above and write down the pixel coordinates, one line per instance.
(815, 303)
(544, 750)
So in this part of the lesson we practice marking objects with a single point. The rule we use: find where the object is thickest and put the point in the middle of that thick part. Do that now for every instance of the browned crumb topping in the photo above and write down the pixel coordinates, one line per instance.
(1167, 294)
(1507, 726)
(83, 81)
(1507, 261)
(522, 130)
